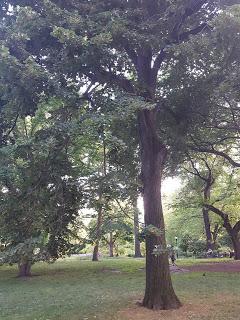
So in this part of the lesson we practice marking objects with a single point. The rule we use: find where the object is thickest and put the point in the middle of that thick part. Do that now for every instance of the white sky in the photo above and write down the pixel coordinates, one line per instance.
(169, 187)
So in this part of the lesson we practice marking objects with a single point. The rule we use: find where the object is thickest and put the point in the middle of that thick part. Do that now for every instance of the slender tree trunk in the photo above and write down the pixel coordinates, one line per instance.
(95, 251)
(207, 227)
(137, 246)
(205, 211)
(215, 233)
(116, 249)
(95, 256)
(236, 245)
(24, 268)
(111, 245)
(159, 292)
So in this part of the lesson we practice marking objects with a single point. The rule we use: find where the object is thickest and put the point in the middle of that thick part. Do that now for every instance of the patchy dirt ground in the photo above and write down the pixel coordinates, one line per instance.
(187, 312)
(233, 266)
(177, 269)
(216, 307)
(207, 309)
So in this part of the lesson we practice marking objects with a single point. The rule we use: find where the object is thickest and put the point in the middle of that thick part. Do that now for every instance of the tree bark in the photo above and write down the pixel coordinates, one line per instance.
(207, 227)
(96, 252)
(205, 211)
(159, 292)
(215, 233)
(236, 245)
(137, 246)
(24, 267)
(111, 245)
(95, 256)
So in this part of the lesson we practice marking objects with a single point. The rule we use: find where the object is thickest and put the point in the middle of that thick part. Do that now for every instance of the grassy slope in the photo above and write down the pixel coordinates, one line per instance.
(82, 290)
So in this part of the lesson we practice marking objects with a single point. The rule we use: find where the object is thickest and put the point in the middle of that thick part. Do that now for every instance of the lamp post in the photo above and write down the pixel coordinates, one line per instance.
(176, 241)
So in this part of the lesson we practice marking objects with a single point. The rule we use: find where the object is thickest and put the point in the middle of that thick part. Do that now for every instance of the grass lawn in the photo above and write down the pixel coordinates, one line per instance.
(75, 289)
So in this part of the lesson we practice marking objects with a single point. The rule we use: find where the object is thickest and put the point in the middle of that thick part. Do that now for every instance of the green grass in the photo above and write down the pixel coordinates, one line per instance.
(82, 290)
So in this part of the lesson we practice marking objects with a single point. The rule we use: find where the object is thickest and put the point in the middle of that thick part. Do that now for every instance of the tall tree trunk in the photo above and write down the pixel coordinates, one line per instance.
(137, 246)
(159, 292)
(100, 210)
(215, 233)
(24, 267)
(95, 256)
(111, 245)
(207, 227)
(236, 245)
(205, 211)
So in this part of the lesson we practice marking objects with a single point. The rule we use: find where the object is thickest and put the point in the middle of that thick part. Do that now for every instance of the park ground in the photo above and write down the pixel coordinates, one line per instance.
(74, 289)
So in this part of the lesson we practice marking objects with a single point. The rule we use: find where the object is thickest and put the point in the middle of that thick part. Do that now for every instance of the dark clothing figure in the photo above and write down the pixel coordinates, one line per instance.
(172, 256)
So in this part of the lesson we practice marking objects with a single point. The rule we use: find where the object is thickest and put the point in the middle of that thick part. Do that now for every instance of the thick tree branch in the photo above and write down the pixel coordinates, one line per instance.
(194, 7)
(218, 153)
(191, 9)
(13, 125)
(221, 214)
(236, 228)
(103, 76)
(185, 35)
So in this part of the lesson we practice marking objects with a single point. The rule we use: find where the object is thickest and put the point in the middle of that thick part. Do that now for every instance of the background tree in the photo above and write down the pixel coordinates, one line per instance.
(205, 169)
(184, 218)
(224, 198)
(226, 206)
(116, 228)
(40, 196)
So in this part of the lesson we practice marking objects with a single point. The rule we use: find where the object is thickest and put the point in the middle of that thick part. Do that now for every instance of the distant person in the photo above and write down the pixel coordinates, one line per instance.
(172, 255)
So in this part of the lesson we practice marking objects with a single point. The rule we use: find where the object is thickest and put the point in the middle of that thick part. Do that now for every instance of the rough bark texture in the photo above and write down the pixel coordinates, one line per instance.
(159, 292)
(24, 268)
(111, 245)
(137, 246)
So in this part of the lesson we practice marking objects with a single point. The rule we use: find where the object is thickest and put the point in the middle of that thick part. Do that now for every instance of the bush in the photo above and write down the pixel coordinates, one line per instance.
(189, 245)
(199, 248)
(186, 243)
